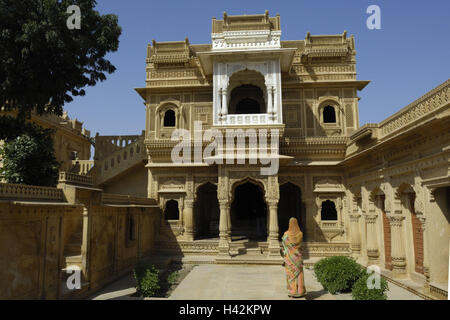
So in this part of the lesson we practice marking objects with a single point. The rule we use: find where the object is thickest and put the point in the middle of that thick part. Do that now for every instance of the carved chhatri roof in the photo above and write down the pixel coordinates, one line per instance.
(246, 22)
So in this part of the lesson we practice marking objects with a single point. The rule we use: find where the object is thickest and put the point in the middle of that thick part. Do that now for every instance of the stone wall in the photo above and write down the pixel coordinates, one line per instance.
(44, 232)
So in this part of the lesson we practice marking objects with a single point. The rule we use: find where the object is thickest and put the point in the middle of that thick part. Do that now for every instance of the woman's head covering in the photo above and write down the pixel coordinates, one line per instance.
(294, 232)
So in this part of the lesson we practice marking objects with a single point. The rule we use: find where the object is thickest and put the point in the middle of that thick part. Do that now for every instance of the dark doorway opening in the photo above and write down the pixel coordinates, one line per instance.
(207, 212)
(290, 206)
(249, 212)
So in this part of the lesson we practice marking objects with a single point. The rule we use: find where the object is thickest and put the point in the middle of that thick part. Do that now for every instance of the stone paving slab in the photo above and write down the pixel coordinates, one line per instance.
(236, 282)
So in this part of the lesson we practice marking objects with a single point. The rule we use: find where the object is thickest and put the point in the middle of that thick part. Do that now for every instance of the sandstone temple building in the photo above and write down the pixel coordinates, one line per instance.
(378, 192)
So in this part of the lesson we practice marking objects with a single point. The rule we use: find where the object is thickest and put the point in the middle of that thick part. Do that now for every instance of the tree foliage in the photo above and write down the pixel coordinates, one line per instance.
(43, 63)
(29, 158)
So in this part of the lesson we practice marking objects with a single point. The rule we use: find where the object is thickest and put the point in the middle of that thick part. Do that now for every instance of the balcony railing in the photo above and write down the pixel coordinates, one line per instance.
(246, 119)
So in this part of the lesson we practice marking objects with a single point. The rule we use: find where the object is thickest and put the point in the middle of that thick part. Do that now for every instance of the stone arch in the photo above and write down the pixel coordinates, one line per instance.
(161, 112)
(247, 84)
(330, 102)
(249, 209)
(403, 188)
(236, 183)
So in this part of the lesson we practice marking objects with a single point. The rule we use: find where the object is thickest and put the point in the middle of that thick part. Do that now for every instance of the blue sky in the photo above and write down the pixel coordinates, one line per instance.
(406, 58)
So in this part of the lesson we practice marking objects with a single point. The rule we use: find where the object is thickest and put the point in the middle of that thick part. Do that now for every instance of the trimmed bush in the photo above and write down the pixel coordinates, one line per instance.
(173, 277)
(147, 280)
(361, 291)
(337, 274)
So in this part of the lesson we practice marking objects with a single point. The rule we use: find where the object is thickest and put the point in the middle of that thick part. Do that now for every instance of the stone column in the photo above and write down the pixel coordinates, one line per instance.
(426, 269)
(372, 244)
(224, 102)
(224, 246)
(188, 217)
(219, 109)
(274, 244)
(397, 249)
(355, 234)
(269, 100)
(85, 242)
(229, 224)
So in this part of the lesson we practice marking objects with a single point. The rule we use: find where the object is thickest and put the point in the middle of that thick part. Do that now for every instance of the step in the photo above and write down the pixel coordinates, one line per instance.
(254, 251)
(262, 259)
(74, 260)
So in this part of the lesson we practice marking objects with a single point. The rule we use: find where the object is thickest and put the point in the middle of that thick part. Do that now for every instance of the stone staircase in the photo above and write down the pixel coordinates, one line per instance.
(249, 252)
(117, 155)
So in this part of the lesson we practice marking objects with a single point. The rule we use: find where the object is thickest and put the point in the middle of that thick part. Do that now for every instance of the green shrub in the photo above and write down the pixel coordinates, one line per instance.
(173, 278)
(147, 280)
(361, 291)
(337, 274)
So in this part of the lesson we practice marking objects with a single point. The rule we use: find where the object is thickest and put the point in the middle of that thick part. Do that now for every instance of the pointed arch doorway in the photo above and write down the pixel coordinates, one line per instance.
(249, 212)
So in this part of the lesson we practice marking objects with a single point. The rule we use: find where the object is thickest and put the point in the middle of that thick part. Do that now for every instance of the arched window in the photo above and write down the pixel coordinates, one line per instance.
(329, 115)
(169, 118)
(172, 211)
(328, 211)
(247, 99)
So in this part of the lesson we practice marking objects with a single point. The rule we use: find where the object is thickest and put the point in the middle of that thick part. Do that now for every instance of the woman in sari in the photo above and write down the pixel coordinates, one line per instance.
(292, 240)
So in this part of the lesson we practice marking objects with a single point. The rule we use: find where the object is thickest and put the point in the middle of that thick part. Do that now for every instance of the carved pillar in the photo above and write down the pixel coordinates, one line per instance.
(355, 234)
(188, 217)
(269, 100)
(224, 247)
(229, 224)
(372, 243)
(85, 242)
(274, 244)
(397, 250)
(426, 269)
(224, 102)
(219, 109)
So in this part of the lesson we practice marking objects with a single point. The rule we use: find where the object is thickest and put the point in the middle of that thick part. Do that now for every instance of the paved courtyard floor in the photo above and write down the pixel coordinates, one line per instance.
(217, 282)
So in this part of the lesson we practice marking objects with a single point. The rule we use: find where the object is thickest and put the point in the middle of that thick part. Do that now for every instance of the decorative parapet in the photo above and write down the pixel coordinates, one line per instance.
(9, 191)
(249, 32)
(82, 167)
(126, 200)
(75, 179)
(121, 160)
(418, 109)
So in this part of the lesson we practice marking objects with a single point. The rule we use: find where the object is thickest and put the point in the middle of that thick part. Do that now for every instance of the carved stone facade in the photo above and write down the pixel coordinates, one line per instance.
(377, 192)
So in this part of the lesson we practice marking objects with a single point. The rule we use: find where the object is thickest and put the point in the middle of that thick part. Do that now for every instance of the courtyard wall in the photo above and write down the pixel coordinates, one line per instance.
(45, 231)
